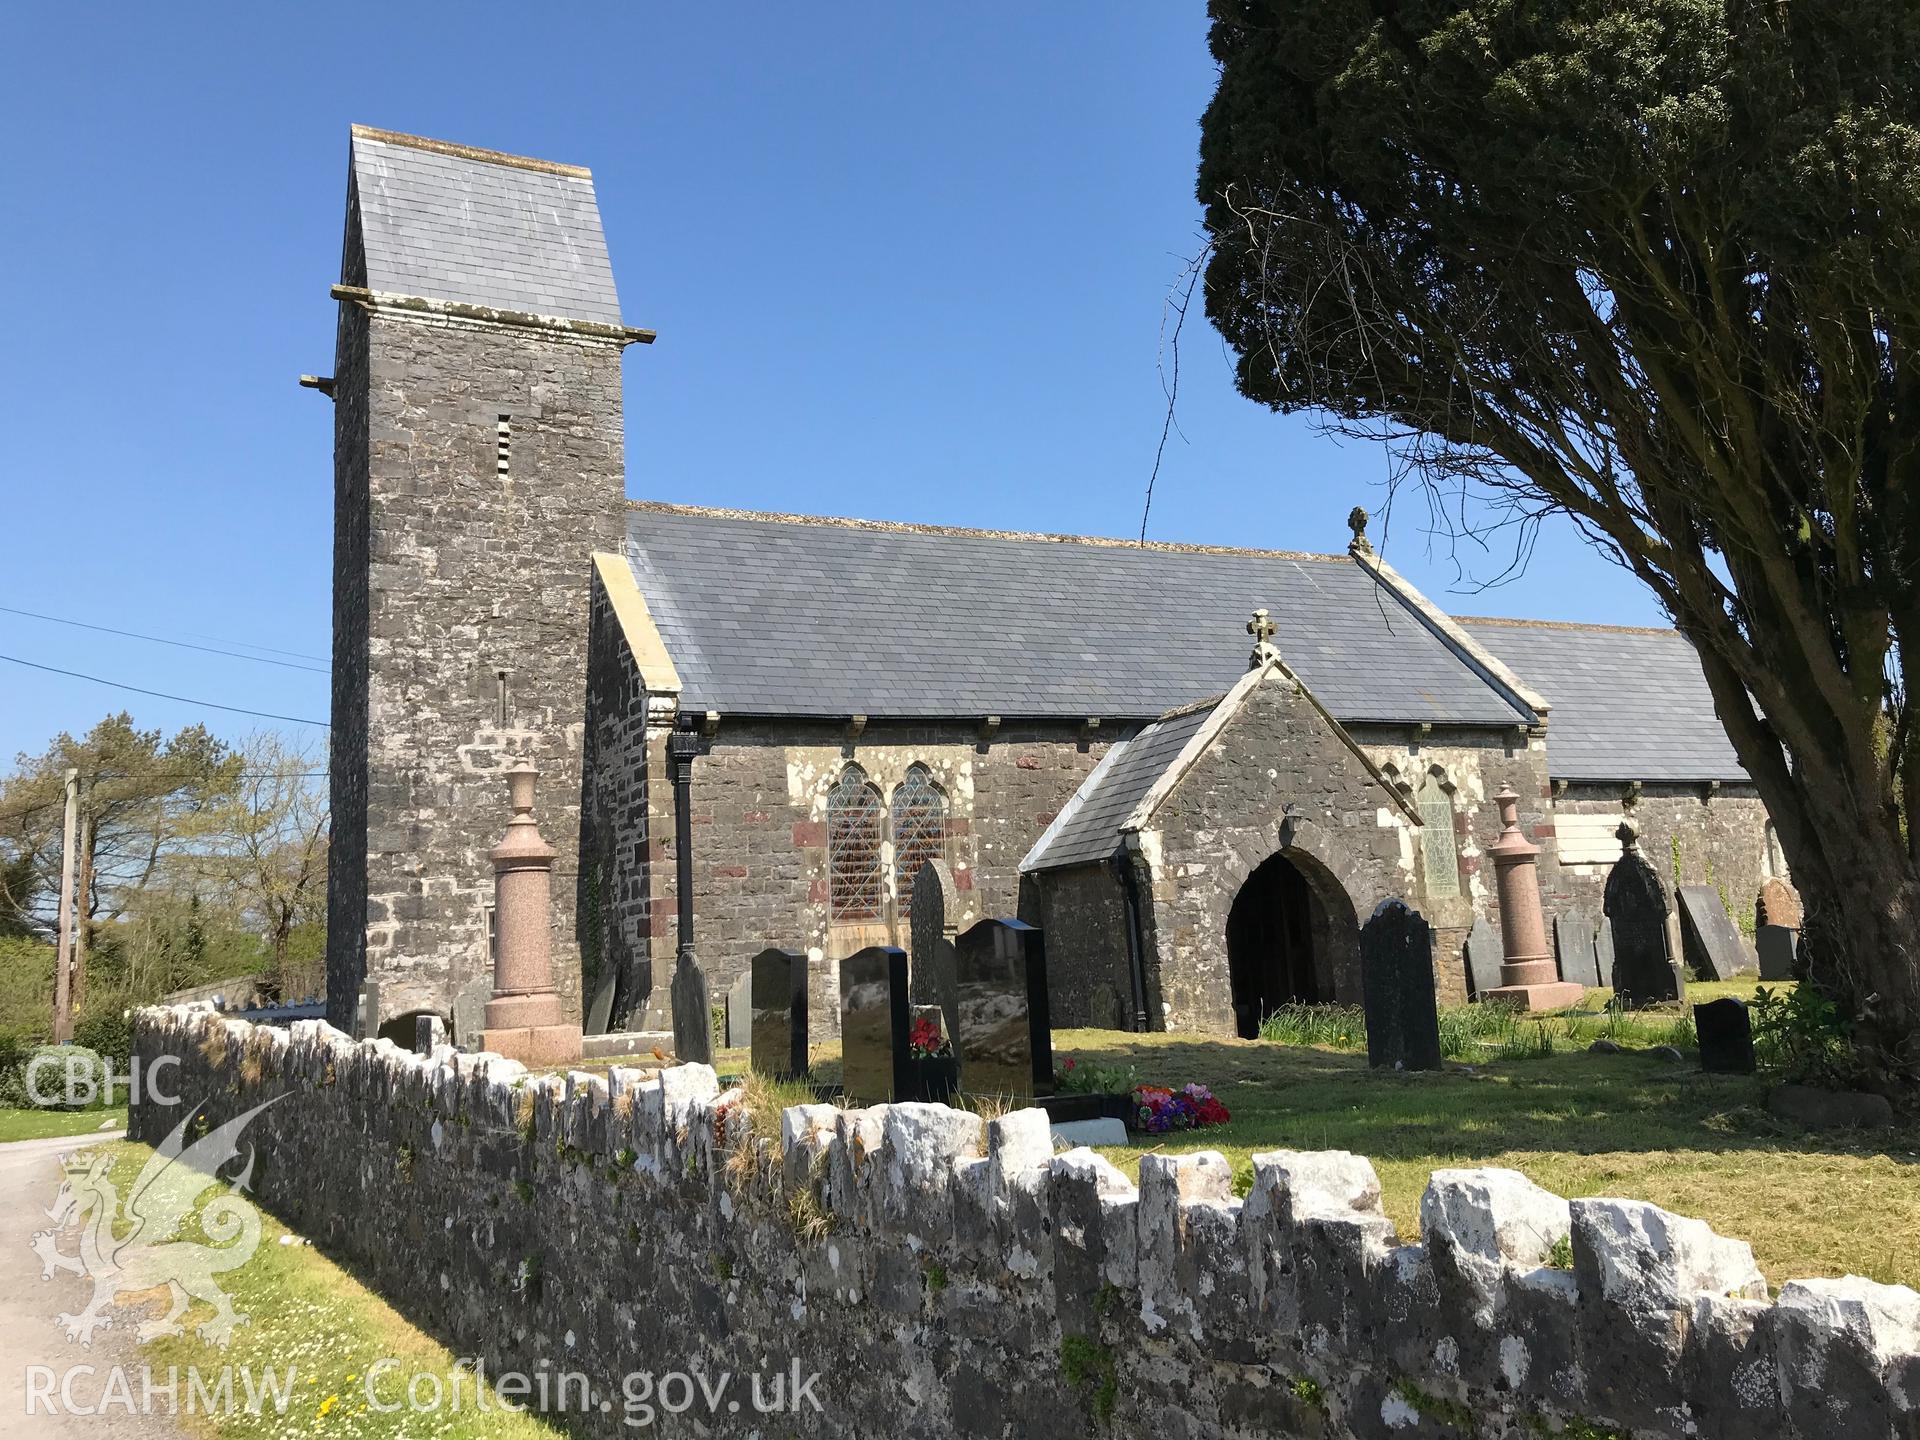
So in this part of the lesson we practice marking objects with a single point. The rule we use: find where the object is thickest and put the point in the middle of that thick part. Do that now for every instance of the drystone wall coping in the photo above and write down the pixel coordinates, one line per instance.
(1292, 1309)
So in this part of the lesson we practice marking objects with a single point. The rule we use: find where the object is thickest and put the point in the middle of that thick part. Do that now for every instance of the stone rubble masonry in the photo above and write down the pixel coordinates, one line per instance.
(960, 1279)
(448, 568)
(1709, 837)
(1353, 841)
(760, 835)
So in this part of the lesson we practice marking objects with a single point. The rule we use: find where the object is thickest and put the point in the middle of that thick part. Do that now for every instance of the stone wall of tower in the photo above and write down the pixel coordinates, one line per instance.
(461, 550)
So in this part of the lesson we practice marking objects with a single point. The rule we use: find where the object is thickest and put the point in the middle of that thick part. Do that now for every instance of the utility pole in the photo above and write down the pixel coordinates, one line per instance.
(63, 957)
(82, 906)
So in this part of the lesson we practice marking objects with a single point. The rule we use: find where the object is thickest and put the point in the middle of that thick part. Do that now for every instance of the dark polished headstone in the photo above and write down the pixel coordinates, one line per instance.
(1004, 1036)
(1776, 944)
(873, 1024)
(1396, 983)
(692, 1013)
(1714, 949)
(1485, 955)
(935, 906)
(1644, 969)
(1725, 1030)
(778, 980)
(740, 1011)
(1577, 941)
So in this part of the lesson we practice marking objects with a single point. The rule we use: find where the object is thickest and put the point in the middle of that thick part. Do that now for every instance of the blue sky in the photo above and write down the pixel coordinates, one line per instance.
(905, 262)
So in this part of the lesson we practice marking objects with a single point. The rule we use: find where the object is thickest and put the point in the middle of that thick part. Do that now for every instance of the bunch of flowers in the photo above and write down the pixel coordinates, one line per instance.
(1193, 1107)
(924, 1040)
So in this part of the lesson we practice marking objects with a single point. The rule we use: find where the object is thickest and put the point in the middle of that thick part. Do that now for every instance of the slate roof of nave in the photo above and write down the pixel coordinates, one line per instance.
(449, 222)
(1628, 703)
(792, 615)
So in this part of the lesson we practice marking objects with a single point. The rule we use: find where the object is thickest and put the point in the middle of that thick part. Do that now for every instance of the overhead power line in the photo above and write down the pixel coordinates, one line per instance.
(163, 695)
(180, 644)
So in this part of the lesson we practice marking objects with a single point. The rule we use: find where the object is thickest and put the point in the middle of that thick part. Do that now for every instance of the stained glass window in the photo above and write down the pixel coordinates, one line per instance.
(854, 816)
(1437, 844)
(919, 827)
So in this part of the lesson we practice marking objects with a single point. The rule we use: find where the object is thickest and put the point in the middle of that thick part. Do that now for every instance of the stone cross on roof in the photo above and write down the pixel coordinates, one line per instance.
(1262, 629)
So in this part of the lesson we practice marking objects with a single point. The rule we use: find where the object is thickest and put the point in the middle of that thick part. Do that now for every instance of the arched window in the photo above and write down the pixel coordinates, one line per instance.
(919, 827)
(854, 817)
(1437, 845)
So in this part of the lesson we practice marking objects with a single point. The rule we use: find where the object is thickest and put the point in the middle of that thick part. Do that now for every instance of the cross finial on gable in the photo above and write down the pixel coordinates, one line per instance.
(1357, 522)
(1262, 629)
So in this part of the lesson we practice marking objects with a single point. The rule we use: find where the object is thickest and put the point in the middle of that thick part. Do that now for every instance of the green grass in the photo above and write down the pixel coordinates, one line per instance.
(1627, 1125)
(44, 1124)
(306, 1312)
(1475, 1033)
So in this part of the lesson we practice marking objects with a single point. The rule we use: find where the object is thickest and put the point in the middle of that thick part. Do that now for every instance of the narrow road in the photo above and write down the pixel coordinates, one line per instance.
(30, 1176)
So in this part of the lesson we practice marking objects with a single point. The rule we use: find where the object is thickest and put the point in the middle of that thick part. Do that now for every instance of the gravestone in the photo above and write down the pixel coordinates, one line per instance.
(1004, 1038)
(692, 1013)
(470, 1012)
(936, 903)
(1710, 940)
(600, 1008)
(1776, 944)
(366, 1013)
(1485, 955)
(1644, 969)
(873, 1024)
(1726, 1036)
(779, 998)
(429, 1034)
(740, 1011)
(1779, 904)
(1603, 950)
(1576, 938)
(1396, 981)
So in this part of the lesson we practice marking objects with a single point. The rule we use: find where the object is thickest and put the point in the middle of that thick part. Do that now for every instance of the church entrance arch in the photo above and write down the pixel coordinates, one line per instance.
(1292, 939)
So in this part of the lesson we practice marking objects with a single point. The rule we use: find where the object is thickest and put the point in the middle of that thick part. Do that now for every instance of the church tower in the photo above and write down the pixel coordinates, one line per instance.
(478, 464)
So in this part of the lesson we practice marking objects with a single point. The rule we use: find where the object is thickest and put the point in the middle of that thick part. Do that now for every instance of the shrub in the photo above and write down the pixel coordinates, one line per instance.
(52, 1077)
(1802, 1036)
(108, 1033)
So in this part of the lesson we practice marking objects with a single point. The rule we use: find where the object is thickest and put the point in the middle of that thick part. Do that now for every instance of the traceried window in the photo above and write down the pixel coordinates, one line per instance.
(854, 874)
(1437, 844)
(919, 827)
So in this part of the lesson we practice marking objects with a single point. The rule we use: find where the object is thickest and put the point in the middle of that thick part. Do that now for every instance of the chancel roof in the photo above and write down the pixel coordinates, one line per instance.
(1628, 704)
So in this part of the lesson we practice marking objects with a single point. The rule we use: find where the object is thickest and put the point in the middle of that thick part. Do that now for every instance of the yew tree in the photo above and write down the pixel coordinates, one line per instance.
(1653, 265)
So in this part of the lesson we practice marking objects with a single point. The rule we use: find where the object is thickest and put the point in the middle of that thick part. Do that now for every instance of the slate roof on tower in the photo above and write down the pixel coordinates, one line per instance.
(793, 615)
(1628, 704)
(449, 222)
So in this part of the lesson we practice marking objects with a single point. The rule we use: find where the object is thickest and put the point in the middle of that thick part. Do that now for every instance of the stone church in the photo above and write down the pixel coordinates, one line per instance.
(1199, 768)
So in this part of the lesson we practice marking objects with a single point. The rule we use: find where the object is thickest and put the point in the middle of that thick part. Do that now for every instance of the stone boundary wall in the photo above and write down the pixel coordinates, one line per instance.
(945, 1275)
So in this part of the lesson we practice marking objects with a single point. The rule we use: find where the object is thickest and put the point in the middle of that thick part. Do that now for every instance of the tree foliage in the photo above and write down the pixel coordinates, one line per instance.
(1651, 264)
(201, 862)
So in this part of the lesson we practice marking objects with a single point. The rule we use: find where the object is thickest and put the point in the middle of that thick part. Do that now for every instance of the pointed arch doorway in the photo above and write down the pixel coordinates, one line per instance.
(1291, 940)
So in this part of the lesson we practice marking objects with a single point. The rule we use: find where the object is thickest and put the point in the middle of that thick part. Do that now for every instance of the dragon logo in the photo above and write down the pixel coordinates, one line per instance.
(126, 1251)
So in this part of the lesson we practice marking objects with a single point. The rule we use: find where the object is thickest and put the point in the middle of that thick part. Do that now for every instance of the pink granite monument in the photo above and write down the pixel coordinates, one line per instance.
(1529, 977)
(524, 1019)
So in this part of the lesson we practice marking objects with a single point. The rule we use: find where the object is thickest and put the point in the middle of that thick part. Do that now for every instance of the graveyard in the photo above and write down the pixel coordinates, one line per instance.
(1575, 1123)
(812, 1173)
